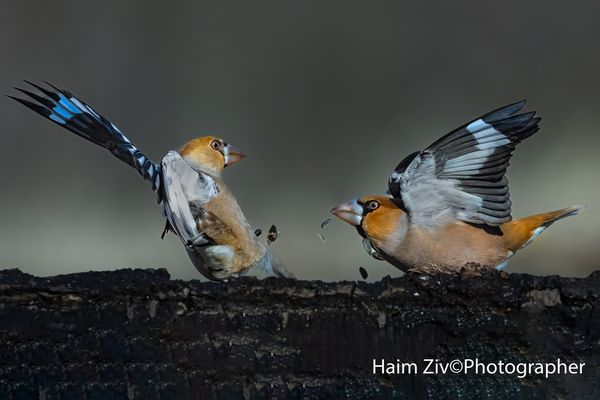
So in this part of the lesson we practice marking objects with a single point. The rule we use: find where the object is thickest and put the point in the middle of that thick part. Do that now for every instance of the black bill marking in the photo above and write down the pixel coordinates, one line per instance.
(363, 272)
(328, 220)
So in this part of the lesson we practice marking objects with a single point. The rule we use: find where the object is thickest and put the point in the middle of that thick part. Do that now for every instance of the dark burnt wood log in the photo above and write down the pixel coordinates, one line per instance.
(136, 334)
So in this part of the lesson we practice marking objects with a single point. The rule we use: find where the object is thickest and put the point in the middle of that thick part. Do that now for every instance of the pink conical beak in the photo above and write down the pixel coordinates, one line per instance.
(232, 155)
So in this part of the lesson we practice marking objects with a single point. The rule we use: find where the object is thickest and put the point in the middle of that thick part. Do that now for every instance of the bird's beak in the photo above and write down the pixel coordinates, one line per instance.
(232, 155)
(349, 211)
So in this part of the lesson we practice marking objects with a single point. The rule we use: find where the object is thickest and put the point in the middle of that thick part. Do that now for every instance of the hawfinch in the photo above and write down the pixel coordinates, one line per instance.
(199, 208)
(450, 203)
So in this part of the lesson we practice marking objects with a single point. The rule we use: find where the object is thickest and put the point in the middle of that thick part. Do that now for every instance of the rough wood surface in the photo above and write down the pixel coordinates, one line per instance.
(136, 334)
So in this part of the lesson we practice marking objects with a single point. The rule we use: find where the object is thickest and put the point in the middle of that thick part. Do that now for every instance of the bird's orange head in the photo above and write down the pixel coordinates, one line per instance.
(379, 218)
(210, 154)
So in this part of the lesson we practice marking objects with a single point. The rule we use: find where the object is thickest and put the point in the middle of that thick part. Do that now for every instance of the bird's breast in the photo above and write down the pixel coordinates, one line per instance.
(447, 248)
(225, 223)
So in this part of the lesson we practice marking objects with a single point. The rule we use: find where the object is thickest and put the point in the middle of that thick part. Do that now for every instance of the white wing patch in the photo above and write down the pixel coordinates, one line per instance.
(469, 161)
(461, 176)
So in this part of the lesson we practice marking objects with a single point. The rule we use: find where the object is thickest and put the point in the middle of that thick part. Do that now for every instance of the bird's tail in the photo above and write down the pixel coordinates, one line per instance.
(280, 270)
(521, 232)
(66, 110)
(273, 267)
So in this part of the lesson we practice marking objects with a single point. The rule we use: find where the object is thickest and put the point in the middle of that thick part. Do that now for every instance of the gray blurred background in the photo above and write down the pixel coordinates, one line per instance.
(324, 96)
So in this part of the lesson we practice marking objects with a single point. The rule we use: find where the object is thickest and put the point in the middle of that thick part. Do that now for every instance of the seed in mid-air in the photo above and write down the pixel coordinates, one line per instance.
(328, 220)
(363, 272)
(272, 235)
(321, 237)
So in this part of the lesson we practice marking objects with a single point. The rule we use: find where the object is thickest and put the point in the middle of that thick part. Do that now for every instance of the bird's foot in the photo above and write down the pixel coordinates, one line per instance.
(225, 273)
(430, 269)
(417, 271)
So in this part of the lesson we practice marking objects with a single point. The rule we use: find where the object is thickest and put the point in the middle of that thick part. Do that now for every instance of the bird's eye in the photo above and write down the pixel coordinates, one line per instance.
(215, 144)
(373, 205)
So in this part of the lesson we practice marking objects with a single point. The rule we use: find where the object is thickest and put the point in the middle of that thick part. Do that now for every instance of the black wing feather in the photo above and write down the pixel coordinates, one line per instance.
(66, 110)
(474, 158)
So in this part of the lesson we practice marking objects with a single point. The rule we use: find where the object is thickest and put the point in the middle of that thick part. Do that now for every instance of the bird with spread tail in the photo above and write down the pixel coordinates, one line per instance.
(450, 204)
(199, 208)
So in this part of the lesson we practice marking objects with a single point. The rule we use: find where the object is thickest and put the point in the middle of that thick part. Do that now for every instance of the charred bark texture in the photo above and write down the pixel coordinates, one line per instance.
(136, 334)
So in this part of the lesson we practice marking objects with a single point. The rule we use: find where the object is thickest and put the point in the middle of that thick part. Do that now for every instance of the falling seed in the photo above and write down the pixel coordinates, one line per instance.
(328, 220)
(363, 272)
(321, 237)
(272, 235)
(258, 232)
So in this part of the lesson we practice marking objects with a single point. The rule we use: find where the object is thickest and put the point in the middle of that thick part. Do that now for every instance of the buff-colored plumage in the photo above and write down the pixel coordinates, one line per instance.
(450, 204)
(199, 207)
(199, 154)
(225, 224)
(222, 219)
(226, 244)
(454, 246)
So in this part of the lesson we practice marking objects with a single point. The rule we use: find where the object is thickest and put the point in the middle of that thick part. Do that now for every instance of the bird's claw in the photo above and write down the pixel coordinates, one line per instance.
(222, 274)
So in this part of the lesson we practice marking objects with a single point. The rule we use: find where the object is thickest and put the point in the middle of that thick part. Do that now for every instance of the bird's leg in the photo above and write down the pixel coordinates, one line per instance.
(200, 240)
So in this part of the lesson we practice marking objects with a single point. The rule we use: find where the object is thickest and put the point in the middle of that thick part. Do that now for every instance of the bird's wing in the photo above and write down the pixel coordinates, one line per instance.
(66, 110)
(462, 175)
(185, 191)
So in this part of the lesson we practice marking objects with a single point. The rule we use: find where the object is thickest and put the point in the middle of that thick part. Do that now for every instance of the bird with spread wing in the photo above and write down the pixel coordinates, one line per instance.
(199, 208)
(450, 204)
